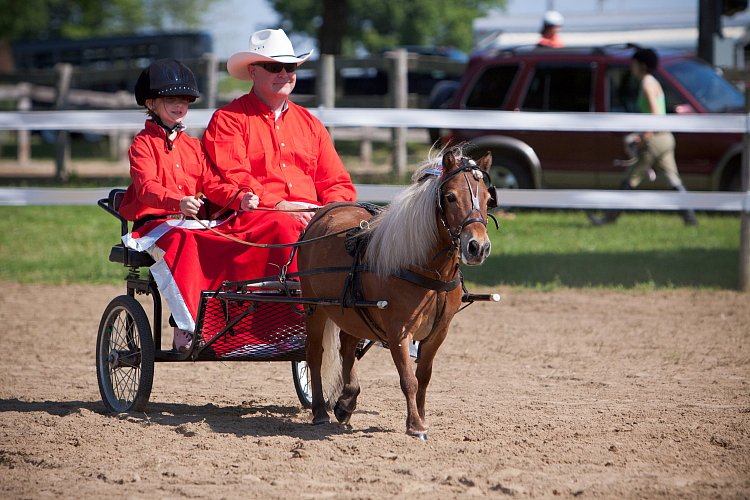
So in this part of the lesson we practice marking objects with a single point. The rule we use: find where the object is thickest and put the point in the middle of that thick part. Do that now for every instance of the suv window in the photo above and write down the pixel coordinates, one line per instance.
(622, 90)
(555, 88)
(491, 89)
(715, 93)
(672, 96)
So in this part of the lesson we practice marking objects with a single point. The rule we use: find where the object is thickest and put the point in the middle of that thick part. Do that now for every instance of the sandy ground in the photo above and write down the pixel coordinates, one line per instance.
(561, 394)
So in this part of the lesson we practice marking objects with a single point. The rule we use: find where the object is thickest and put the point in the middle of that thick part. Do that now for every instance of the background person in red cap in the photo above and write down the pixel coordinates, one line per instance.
(550, 33)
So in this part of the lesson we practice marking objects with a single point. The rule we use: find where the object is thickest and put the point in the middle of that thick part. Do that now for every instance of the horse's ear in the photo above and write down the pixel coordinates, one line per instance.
(449, 162)
(485, 162)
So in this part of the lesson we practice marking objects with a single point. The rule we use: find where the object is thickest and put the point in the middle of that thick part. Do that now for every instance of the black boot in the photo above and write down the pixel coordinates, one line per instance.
(609, 216)
(687, 215)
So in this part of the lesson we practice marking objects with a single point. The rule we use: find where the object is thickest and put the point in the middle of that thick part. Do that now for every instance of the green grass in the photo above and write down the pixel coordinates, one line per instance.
(544, 250)
(58, 244)
(534, 250)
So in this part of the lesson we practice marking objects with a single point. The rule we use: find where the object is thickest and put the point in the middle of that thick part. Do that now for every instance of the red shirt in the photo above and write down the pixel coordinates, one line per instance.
(291, 158)
(161, 178)
(553, 42)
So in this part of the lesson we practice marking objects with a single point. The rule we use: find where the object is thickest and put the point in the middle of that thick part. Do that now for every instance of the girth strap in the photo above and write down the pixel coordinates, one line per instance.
(429, 283)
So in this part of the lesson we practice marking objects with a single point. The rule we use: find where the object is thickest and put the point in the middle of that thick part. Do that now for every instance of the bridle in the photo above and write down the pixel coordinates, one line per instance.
(467, 167)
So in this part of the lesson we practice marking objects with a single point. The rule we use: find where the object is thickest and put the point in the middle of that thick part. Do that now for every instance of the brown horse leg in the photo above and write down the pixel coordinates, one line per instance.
(424, 373)
(314, 353)
(347, 402)
(427, 351)
(400, 354)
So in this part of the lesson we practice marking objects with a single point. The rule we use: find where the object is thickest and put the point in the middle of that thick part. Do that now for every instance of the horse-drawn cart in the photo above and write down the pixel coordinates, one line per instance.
(258, 320)
(255, 320)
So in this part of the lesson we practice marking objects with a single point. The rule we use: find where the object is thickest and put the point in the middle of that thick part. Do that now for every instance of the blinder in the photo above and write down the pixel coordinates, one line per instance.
(492, 202)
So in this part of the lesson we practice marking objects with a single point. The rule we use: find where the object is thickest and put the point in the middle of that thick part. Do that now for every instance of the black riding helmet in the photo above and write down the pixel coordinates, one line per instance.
(163, 78)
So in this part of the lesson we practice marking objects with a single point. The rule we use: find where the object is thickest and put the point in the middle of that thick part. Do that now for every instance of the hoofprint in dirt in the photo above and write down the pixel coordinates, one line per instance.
(569, 393)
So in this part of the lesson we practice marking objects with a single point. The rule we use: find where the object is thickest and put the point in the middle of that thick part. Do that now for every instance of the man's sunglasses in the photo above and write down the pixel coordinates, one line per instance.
(276, 67)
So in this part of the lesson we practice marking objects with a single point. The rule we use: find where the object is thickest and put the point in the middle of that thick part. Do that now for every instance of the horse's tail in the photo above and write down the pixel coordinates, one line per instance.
(331, 369)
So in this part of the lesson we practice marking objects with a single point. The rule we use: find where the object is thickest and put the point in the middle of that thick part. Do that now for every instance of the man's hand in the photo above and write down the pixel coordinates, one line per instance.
(190, 205)
(297, 205)
(249, 201)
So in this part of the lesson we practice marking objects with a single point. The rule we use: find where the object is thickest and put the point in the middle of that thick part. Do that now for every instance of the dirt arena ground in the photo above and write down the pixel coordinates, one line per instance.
(562, 394)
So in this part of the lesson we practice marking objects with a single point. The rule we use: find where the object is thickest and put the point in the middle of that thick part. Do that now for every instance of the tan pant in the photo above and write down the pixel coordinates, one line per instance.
(657, 153)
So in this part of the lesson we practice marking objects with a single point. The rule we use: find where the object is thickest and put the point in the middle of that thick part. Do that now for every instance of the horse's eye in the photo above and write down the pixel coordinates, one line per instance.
(451, 197)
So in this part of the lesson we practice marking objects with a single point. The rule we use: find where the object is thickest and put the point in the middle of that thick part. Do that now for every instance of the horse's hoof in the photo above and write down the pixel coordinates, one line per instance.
(421, 435)
(321, 420)
(341, 414)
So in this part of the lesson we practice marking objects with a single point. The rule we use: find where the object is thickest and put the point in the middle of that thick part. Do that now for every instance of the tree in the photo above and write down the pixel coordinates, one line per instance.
(43, 19)
(341, 26)
(50, 19)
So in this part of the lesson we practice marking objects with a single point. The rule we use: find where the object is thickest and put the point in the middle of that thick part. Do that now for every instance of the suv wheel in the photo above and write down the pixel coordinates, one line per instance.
(733, 181)
(507, 173)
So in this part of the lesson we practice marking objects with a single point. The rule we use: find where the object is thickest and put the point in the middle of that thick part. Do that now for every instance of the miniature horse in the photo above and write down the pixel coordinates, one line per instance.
(408, 254)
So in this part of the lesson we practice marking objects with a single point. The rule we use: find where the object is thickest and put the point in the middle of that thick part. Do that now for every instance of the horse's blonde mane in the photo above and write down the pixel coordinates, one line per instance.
(403, 233)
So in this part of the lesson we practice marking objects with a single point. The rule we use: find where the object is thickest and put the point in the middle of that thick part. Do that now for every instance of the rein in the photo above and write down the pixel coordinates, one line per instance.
(262, 209)
(270, 245)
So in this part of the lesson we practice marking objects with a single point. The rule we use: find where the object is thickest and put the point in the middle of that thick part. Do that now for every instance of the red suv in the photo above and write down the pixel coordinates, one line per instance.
(592, 80)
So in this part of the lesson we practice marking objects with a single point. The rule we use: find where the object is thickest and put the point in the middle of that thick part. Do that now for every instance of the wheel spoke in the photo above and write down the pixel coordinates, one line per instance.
(126, 384)
(124, 374)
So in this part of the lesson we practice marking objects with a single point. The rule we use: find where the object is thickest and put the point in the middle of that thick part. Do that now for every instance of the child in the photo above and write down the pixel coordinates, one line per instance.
(168, 169)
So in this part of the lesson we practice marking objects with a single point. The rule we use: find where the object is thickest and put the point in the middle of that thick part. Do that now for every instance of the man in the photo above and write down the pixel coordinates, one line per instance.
(266, 144)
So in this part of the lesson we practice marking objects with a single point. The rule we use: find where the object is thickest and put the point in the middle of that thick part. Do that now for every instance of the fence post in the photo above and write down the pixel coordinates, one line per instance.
(212, 80)
(399, 89)
(24, 136)
(62, 144)
(365, 147)
(744, 264)
(326, 81)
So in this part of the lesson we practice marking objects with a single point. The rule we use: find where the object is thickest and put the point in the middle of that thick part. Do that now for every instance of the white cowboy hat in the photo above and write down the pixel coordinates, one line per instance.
(265, 46)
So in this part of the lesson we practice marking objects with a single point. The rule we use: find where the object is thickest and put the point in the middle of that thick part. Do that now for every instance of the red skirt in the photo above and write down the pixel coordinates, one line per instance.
(190, 258)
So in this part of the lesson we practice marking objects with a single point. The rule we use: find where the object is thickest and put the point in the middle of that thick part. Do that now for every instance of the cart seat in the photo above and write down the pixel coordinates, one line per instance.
(129, 257)
(118, 253)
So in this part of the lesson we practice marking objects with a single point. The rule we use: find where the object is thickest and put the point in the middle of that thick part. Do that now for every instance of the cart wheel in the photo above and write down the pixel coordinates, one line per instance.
(301, 376)
(125, 356)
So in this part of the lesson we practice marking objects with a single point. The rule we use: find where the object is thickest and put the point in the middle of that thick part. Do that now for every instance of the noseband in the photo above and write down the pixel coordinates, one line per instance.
(468, 166)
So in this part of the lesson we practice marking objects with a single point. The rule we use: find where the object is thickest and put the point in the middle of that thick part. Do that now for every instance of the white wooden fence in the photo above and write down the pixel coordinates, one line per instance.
(499, 120)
